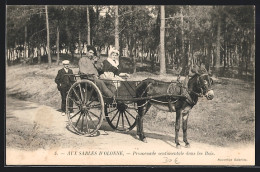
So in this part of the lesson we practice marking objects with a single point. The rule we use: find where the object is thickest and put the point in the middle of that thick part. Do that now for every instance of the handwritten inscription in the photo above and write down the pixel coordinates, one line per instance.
(170, 160)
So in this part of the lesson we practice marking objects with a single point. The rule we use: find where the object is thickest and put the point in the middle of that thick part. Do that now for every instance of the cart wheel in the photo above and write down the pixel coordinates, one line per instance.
(121, 116)
(85, 107)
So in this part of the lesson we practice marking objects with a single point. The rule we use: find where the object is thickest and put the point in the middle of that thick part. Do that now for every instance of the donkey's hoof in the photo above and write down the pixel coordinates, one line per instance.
(187, 145)
(178, 146)
(144, 140)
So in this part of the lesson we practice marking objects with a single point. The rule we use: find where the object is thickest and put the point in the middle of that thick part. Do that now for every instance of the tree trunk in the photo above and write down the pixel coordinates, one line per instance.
(217, 65)
(134, 60)
(247, 56)
(142, 56)
(7, 58)
(183, 58)
(30, 54)
(48, 37)
(39, 54)
(253, 53)
(152, 61)
(208, 57)
(25, 44)
(58, 45)
(88, 25)
(162, 47)
(116, 28)
(225, 52)
(79, 47)
(120, 48)
(241, 61)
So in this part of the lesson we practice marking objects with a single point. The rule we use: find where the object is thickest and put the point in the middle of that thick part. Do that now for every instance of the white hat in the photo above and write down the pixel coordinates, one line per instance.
(65, 62)
(113, 50)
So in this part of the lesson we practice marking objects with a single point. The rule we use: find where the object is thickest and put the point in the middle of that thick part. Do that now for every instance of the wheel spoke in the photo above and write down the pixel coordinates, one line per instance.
(90, 95)
(92, 121)
(118, 120)
(75, 115)
(86, 93)
(127, 119)
(76, 102)
(123, 120)
(81, 94)
(112, 111)
(87, 123)
(114, 116)
(90, 102)
(78, 120)
(82, 122)
(76, 94)
(94, 114)
(130, 114)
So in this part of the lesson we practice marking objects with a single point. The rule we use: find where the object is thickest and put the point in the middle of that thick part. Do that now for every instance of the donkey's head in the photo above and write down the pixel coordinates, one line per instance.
(205, 82)
(201, 83)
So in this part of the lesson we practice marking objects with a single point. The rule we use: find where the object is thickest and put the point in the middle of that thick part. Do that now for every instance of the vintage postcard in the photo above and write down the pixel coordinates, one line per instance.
(130, 85)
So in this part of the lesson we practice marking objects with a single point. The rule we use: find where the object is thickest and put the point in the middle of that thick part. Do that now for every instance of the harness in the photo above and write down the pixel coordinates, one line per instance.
(178, 88)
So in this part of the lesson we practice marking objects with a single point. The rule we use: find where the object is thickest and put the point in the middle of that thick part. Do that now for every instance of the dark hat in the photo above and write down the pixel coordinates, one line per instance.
(89, 47)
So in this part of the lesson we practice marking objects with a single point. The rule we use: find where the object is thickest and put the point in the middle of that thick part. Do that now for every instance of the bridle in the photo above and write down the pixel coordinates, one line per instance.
(202, 86)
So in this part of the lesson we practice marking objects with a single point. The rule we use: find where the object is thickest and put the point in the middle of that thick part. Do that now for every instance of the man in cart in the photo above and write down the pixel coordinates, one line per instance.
(88, 66)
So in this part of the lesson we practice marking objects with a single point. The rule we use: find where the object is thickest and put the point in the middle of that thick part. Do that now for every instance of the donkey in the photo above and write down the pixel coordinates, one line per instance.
(198, 85)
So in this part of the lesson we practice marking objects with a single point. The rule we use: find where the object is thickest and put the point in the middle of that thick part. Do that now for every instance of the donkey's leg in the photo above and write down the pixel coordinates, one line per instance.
(177, 128)
(140, 131)
(139, 119)
(139, 122)
(185, 116)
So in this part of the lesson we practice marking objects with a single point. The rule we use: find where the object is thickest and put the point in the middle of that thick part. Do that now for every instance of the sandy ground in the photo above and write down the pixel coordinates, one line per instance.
(45, 139)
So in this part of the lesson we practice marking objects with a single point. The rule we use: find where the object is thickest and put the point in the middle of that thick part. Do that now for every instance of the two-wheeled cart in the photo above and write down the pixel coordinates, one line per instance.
(90, 107)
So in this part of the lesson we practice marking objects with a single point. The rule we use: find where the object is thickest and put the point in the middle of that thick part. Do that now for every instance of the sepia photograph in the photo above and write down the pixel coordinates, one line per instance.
(130, 85)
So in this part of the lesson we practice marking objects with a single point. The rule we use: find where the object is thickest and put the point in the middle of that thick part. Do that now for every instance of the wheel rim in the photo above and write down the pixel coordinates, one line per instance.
(121, 116)
(88, 107)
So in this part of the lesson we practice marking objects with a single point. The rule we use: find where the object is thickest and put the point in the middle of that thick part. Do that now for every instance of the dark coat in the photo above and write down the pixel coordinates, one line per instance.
(107, 67)
(64, 81)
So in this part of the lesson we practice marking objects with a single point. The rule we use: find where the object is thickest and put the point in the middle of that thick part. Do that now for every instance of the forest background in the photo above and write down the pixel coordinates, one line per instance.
(156, 39)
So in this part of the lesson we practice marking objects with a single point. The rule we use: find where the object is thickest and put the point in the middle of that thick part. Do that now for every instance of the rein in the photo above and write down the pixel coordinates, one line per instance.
(182, 86)
(191, 91)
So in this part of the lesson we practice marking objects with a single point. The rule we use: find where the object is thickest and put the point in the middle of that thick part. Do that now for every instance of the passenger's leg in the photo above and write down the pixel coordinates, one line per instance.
(103, 88)
(111, 86)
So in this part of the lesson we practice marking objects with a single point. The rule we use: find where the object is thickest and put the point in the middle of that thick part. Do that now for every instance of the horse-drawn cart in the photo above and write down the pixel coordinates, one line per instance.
(90, 107)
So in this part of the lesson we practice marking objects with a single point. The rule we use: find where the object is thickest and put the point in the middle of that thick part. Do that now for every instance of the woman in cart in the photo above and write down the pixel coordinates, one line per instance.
(110, 68)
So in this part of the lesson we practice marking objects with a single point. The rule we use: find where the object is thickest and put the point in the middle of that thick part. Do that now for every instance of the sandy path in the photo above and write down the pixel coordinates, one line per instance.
(52, 143)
